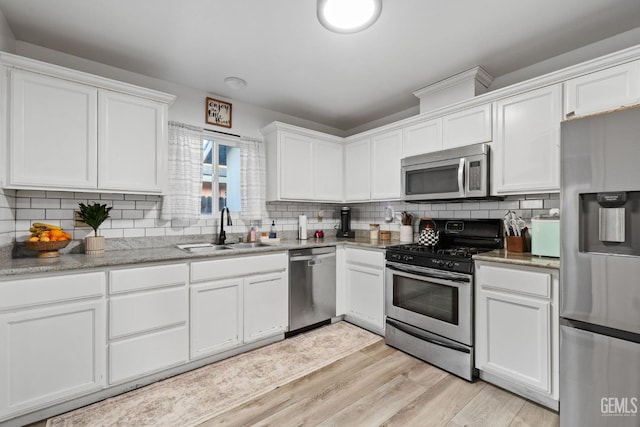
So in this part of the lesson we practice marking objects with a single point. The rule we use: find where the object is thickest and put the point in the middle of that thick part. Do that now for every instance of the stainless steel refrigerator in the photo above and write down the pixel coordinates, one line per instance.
(600, 271)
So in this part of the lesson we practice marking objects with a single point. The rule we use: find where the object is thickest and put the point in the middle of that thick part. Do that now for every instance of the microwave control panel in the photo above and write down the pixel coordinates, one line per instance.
(475, 176)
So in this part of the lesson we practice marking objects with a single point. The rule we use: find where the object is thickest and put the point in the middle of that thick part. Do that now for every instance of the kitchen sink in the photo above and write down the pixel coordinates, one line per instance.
(245, 245)
(199, 248)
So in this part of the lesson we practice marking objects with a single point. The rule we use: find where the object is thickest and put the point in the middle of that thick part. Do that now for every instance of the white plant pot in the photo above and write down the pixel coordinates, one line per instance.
(94, 245)
(406, 233)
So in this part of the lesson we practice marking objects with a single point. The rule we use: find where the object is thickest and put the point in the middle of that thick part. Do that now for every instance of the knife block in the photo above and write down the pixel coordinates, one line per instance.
(518, 243)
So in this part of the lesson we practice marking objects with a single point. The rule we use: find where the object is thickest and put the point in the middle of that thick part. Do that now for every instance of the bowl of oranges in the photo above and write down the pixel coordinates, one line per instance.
(46, 239)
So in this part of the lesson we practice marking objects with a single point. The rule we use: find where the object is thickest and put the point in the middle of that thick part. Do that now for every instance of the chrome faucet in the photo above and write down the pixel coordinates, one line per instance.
(223, 236)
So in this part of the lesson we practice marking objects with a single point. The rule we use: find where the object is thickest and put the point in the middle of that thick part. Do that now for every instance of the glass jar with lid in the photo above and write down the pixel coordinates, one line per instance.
(374, 232)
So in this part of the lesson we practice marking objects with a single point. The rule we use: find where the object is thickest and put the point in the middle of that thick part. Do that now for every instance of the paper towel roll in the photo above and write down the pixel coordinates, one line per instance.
(302, 227)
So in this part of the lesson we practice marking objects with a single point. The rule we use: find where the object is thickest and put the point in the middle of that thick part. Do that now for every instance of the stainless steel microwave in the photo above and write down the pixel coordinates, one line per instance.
(456, 173)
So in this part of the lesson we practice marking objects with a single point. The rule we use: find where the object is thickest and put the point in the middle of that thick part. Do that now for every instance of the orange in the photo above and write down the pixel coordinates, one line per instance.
(44, 239)
(56, 233)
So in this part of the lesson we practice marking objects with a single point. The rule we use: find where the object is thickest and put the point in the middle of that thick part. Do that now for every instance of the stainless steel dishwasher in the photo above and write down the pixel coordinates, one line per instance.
(312, 287)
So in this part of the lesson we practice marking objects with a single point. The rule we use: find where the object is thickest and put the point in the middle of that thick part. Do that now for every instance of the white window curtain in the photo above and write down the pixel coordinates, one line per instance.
(182, 201)
(252, 179)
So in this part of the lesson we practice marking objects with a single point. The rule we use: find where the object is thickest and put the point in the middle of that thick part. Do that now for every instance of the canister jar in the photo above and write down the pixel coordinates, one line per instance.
(374, 232)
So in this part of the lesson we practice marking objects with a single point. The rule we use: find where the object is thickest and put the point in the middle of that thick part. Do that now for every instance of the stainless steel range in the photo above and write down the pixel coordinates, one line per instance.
(429, 292)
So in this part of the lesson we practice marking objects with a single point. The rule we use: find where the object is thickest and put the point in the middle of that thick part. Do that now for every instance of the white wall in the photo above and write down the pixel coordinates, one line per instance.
(189, 106)
(7, 197)
(7, 39)
(600, 48)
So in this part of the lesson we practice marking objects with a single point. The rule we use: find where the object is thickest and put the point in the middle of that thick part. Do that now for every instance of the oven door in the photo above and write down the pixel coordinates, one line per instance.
(436, 301)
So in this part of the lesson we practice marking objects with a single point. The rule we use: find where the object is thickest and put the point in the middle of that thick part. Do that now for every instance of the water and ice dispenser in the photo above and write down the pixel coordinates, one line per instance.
(610, 222)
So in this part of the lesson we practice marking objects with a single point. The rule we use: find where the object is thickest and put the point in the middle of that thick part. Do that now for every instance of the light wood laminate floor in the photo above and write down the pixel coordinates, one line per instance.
(381, 386)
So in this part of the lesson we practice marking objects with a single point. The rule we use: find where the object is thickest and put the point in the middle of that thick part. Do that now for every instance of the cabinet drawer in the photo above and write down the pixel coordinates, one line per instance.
(134, 279)
(138, 356)
(535, 283)
(234, 267)
(29, 292)
(359, 256)
(131, 314)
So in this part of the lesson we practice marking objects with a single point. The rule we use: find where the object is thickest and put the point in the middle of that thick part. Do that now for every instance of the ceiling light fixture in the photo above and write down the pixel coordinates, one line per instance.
(348, 16)
(235, 83)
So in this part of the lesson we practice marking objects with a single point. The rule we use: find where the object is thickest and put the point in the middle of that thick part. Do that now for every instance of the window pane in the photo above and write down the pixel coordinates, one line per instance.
(229, 178)
(220, 177)
(206, 198)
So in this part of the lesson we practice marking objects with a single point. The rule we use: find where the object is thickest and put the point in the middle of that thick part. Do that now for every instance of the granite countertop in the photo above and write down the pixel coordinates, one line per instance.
(518, 258)
(20, 266)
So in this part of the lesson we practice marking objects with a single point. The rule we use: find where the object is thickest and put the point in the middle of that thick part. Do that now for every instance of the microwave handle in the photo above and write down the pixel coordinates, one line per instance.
(461, 176)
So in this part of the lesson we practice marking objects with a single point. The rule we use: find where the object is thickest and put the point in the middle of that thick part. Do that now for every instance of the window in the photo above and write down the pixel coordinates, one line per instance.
(220, 176)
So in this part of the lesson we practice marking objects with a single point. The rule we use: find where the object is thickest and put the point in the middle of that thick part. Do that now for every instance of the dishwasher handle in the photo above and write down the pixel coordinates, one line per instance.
(314, 258)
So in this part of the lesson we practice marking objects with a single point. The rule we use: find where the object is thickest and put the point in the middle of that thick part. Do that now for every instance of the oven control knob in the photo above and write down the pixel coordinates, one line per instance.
(450, 264)
(439, 262)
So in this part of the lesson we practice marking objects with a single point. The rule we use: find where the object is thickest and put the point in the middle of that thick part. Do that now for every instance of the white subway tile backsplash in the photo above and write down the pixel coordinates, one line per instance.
(135, 197)
(112, 233)
(135, 215)
(85, 196)
(71, 203)
(133, 232)
(30, 214)
(59, 214)
(150, 232)
(112, 196)
(23, 203)
(132, 214)
(144, 223)
(31, 193)
(552, 203)
(531, 204)
(124, 204)
(146, 205)
(45, 203)
(122, 223)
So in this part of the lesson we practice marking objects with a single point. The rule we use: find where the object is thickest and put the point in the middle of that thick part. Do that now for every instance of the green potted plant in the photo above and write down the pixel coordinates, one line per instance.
(94, 215)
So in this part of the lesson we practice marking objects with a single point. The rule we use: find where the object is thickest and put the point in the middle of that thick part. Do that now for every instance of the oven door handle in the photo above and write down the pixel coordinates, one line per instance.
(417, 273)
(414, 333)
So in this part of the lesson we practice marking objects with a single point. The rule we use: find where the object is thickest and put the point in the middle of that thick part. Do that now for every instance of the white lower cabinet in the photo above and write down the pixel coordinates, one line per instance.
(364, 288)
(52, 335)
(148, 320)
(239, 301)
(266, 305)
(216, 316)
(517, 337)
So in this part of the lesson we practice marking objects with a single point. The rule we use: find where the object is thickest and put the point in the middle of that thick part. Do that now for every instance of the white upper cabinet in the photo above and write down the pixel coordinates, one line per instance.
(526, 149)
(328, 160)
(466, 127)
(70, 131)
(302, 164)
(357, 155)
(296, 167)
(386, 152)
(53, 132)
(132, 143)
(603, 90)
(421, 138)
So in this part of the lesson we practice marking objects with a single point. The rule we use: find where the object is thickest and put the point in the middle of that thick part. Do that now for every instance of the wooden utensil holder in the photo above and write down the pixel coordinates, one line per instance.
(518, 243)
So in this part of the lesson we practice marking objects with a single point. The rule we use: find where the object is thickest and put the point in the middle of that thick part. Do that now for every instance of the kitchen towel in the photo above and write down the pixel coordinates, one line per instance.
(182, 200)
